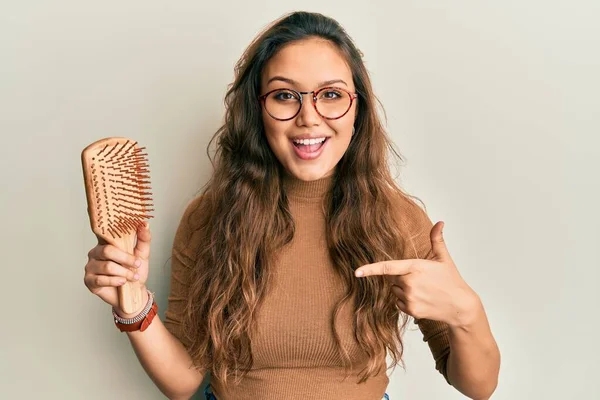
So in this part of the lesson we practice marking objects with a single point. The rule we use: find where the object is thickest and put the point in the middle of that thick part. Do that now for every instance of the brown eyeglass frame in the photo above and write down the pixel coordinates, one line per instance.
(314, 93)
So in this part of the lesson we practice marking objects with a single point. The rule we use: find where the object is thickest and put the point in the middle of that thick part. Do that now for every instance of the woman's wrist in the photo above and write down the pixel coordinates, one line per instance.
(139, 322)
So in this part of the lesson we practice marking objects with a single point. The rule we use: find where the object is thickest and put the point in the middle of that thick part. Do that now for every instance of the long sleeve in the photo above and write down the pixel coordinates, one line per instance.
(418, 245)
(183, 259)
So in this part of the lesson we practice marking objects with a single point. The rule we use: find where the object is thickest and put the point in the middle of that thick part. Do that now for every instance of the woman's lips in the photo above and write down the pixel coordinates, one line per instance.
(306, 155)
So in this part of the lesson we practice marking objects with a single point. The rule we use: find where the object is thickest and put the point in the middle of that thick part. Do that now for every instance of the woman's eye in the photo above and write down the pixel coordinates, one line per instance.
(285, 96)
(330, 95)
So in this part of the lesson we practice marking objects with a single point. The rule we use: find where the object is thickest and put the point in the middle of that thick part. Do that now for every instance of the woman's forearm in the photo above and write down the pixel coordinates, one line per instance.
(166, 361)
(474, 360)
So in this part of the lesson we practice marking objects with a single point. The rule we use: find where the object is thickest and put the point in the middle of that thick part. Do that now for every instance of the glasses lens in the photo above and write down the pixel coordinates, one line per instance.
(282, 104)
(332, 102)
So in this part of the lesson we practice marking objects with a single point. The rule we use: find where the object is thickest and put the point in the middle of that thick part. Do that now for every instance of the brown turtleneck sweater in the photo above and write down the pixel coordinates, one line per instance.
(294, 350)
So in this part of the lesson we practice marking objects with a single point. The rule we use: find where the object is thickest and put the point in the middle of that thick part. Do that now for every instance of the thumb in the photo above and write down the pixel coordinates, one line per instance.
(438, 244)
(144, 237)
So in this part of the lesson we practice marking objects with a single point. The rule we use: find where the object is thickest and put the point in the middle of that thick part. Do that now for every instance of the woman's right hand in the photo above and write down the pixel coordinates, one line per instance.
(109, 267)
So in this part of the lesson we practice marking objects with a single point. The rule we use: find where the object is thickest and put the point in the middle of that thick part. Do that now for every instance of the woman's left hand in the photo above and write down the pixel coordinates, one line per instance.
(429, 288)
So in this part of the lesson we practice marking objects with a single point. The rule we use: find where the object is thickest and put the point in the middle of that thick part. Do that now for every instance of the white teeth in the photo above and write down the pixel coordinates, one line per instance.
(309, 141)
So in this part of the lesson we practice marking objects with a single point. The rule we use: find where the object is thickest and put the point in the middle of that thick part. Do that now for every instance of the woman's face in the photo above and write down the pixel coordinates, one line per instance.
(306, 66)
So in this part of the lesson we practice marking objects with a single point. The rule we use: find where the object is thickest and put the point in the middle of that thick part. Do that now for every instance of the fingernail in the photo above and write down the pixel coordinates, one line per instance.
(136, 277)
(122, 282)
(359, 273)
(138, 263)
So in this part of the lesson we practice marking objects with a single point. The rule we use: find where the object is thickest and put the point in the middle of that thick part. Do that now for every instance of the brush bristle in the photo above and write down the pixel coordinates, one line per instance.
(121, 187)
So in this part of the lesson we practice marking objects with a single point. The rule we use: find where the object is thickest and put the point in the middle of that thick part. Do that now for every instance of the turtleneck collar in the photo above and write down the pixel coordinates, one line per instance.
(297, 188)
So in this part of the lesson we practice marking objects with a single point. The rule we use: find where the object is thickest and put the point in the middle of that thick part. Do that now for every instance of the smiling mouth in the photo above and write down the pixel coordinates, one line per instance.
(307, 147)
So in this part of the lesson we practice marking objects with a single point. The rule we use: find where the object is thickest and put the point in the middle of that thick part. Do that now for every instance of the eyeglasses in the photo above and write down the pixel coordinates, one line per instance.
(329, 102)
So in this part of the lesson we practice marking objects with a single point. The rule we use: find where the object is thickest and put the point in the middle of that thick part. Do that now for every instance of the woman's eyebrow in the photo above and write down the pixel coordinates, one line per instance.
(293, 82)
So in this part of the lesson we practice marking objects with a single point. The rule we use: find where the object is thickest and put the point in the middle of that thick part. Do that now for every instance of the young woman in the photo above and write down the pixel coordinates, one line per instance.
(297, 269)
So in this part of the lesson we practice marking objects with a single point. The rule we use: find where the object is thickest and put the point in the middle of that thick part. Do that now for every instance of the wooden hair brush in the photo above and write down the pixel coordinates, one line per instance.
(116, 176)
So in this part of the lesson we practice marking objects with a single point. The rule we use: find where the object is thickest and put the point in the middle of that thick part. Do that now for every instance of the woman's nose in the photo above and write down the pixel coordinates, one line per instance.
(308, 115)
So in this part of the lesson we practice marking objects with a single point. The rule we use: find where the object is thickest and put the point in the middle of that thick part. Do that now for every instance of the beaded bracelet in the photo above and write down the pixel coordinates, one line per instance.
(137, 318)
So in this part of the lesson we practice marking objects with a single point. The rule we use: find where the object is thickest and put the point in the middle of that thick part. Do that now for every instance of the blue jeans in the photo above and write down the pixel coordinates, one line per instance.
(210, 396)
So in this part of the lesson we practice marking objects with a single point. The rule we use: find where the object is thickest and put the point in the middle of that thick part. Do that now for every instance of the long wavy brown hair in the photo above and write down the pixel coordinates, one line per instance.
(245, 217)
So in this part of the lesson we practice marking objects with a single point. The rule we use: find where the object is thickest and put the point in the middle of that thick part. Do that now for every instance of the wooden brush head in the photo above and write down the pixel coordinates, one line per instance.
(117, 184)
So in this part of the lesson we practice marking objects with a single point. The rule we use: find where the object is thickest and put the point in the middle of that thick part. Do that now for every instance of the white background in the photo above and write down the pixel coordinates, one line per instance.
(494, 106)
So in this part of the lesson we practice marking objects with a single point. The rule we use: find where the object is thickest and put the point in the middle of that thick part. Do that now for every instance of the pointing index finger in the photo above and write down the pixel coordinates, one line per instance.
(392, 267)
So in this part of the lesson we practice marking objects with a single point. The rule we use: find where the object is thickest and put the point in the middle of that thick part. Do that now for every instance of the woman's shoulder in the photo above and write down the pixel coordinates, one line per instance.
(188, 232)
(415, 224)
(411, 210)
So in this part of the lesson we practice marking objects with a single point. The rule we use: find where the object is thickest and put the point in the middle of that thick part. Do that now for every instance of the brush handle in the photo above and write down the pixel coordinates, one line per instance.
(130, 293)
